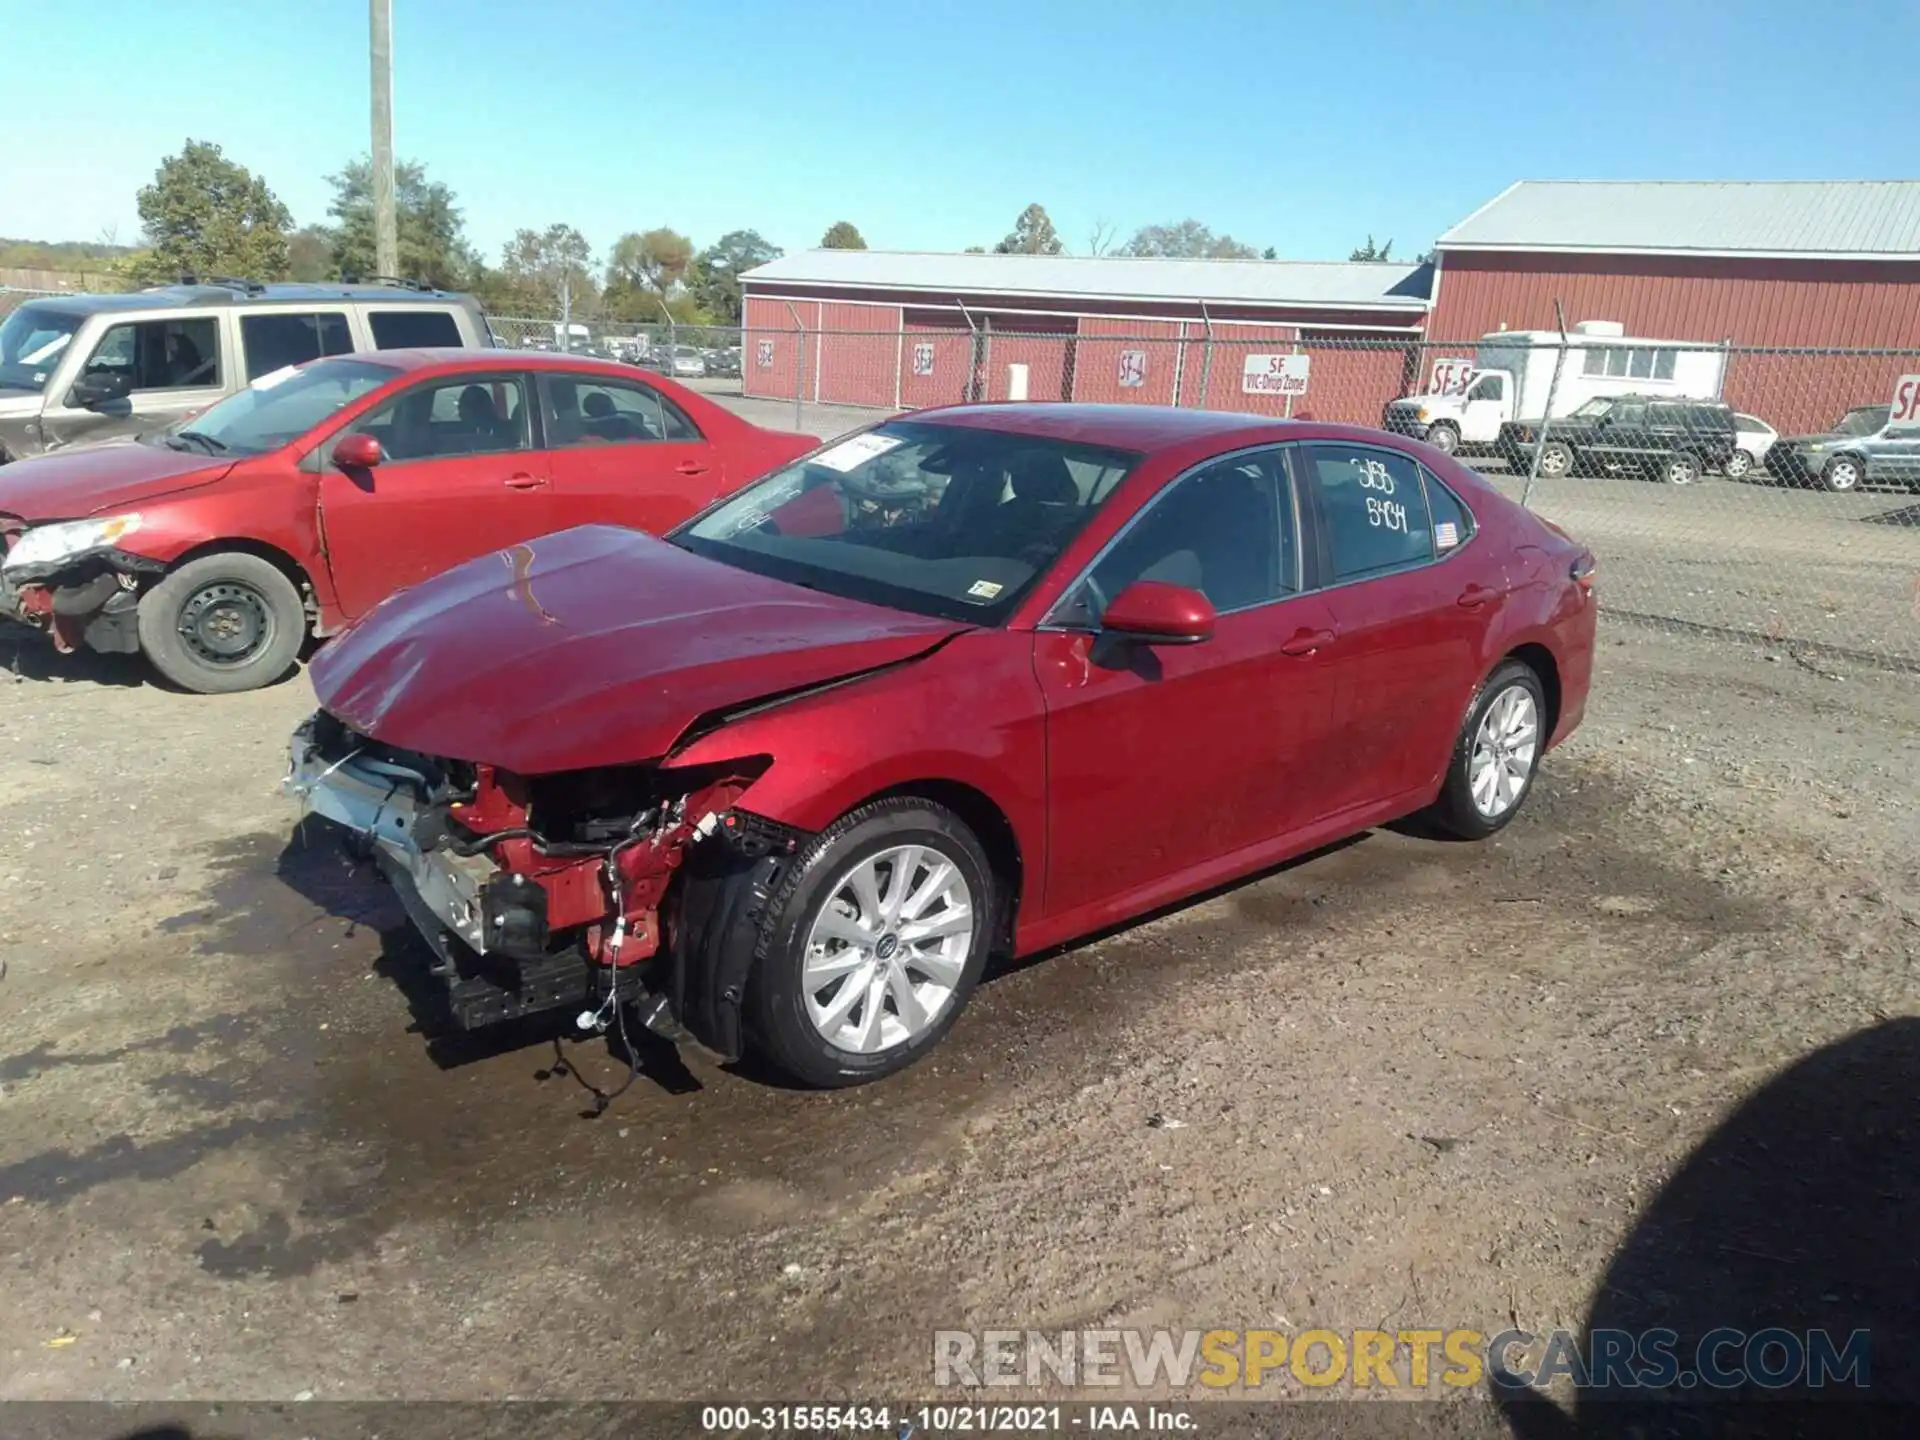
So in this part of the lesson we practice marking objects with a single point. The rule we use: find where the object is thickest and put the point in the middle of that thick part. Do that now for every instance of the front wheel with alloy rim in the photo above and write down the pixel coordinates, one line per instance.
(1495, 756)
(872, 945)
(1681, 470)
(1841, 474)
(1443, 437)
(1739, 464)
(223, 623)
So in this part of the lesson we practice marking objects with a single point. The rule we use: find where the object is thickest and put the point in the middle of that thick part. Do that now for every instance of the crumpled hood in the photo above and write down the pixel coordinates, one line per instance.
(101, 479)
(594, 646)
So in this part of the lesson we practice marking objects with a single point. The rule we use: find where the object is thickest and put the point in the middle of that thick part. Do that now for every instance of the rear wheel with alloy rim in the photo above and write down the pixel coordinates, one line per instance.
(1497, 752)
(1556, 460)
(873, 945)
(1738, 465)
(1681, 469)
(223, 623)
(1842, 473)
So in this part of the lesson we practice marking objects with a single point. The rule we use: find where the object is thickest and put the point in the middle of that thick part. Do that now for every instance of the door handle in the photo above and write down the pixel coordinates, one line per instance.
(1306, 642)
(1473, 597)
(692, 467)
(524, 481)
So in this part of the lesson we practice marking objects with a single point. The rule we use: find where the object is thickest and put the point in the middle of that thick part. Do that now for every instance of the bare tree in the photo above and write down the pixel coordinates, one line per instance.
(1100, 242)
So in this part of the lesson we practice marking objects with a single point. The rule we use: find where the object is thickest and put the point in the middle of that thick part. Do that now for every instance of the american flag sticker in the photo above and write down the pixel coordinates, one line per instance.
(1446, 535)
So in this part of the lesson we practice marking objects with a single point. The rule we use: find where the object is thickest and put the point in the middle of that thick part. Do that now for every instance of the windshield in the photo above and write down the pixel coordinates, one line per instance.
(1866, 420)
(939, 520)
(280, 407)
(1594, 407)
(31, 339)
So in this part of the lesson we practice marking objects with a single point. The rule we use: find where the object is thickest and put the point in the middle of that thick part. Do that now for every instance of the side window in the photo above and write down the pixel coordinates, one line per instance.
(1226, 531)
(467, 415)
(1488, 387)
(161, 354)
(1452, 521)
(1627, 416)
(276, 339)
(415, 329)
(1374, 508)
(583, 411)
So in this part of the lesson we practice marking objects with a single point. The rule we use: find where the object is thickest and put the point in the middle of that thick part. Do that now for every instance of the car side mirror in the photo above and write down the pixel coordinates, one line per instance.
(1156, 613)
(102, 387)
(357, 452)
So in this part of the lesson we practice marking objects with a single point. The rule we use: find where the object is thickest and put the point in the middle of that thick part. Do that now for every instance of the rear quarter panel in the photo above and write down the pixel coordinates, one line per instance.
(969, 714)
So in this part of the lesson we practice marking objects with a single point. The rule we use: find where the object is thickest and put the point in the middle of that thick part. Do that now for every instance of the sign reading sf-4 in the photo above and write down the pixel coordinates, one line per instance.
(1274, 375)
(1906, 401)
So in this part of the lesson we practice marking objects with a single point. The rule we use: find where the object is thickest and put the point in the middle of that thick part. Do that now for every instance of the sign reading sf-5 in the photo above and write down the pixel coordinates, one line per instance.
(975, 681)
(220, 544)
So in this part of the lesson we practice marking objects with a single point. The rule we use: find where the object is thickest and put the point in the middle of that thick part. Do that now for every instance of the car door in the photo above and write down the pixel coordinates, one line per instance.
(1620, 435)
(1411, 601)
(173, 367)
(1161, 758)
(1484, 409)
(623, 453)
(272, 339)
(460, 475)
(1895, 455)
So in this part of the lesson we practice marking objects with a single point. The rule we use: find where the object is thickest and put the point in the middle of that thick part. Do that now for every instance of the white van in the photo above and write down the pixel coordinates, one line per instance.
(1512, 372)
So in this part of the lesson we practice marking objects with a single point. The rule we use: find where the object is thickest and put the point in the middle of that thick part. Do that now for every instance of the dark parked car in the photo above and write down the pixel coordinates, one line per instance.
(1862, 446)
(979, 680)
(1677, 440)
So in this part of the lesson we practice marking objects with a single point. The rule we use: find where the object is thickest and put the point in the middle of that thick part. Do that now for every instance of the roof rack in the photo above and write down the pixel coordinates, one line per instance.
(230, 282)
(400, 281)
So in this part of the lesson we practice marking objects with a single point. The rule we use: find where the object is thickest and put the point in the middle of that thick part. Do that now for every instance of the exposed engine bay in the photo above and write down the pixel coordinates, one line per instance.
(539, 893)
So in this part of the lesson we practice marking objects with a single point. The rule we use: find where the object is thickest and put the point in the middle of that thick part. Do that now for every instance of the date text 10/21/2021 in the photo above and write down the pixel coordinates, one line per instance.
(902, 1421)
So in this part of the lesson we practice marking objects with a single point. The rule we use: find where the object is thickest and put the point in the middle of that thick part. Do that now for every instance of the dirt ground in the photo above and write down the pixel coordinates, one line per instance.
(1417, 1084)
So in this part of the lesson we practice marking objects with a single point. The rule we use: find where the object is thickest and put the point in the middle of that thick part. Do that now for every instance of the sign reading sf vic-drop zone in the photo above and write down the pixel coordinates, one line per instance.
(1274, 375)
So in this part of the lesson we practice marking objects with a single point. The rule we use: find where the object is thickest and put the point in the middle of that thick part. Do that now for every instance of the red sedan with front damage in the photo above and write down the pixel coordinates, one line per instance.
(220, 544)
(975, 681)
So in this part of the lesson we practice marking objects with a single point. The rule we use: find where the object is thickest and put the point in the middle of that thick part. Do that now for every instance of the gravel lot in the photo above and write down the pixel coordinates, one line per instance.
(1419, 1084)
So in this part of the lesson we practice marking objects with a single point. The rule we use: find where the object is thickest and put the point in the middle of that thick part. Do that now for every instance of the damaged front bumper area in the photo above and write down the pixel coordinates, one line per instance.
(91, 602)
(557, 892)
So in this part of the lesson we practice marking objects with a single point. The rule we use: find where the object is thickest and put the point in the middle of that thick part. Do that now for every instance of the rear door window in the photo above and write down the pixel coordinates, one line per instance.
(1374, 509)
(275, 339)
(413, 329)
(584, 410)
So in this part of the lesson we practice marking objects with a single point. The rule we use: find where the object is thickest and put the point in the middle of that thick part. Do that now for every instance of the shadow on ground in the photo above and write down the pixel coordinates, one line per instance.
(1798, 1214)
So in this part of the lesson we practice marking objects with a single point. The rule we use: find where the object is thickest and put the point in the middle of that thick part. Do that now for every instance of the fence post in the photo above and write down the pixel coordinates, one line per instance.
(799, 362)
(1546, 420)
(1206, 357)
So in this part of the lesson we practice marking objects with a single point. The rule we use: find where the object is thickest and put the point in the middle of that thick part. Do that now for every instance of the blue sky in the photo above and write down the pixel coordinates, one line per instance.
(1301, 124)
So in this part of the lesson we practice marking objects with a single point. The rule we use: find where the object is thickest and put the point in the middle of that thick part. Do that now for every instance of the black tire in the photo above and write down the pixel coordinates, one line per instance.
(1843, 474)
(779, 1027)
(1739, 465)
(1455, 810)
(1556, 460)
(223, 623)
(1681, 468)
(1443, 437)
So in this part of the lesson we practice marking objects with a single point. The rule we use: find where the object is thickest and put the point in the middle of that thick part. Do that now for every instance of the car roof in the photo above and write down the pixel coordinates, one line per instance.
(194, 297)
(1139, 428)
(473, 357)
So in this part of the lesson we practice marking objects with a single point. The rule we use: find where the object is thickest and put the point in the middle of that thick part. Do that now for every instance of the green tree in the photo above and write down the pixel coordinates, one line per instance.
(1371, 251)
(714, 278)
(310, 254)
(1033, 234)
(428, 225)
(550, 271)
(206, 215)
(841, 235)
(654, 262)
(1270, 253)
(1187, 240)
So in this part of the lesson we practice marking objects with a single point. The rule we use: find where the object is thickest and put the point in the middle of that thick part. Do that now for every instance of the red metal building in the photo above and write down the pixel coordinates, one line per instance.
(889, 329)
(1777, 264)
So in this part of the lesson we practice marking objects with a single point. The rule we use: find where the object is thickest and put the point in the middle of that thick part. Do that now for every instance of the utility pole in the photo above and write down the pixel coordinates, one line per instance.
(386, 240)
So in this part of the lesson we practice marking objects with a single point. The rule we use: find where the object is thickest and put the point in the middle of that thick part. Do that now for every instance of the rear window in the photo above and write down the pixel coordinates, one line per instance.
(413, 329)
(277, 339)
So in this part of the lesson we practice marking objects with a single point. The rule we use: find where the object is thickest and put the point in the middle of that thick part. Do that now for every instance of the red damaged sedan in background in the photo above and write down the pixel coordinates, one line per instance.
(979, 680)
(220, 544)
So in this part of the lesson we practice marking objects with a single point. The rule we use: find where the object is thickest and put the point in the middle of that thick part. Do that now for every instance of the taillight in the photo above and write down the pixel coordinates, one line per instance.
(1582, 570)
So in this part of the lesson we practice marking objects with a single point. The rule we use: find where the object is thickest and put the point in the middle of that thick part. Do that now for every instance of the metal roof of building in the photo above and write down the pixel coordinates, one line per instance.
(1807, 219)
(1333, 284)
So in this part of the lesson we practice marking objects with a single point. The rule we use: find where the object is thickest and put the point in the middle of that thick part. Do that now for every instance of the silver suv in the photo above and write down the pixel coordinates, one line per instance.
(79, 369)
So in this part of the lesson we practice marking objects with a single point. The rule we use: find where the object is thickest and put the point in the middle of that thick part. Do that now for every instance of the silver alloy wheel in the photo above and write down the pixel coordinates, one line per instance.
(1555, 460)
(887, 949)
(1681, 470)
(1738, 464)
(1842, 473)
(1501, 760)
(1443, 438)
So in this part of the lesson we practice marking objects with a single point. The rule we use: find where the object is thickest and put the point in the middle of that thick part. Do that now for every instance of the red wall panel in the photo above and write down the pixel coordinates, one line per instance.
(767, 325)
(858, 354)
(950, 352)
(1826, 303)
(1097, 355)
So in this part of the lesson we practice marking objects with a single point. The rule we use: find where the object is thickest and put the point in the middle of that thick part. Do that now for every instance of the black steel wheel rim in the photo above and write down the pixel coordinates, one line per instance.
(227, 624)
